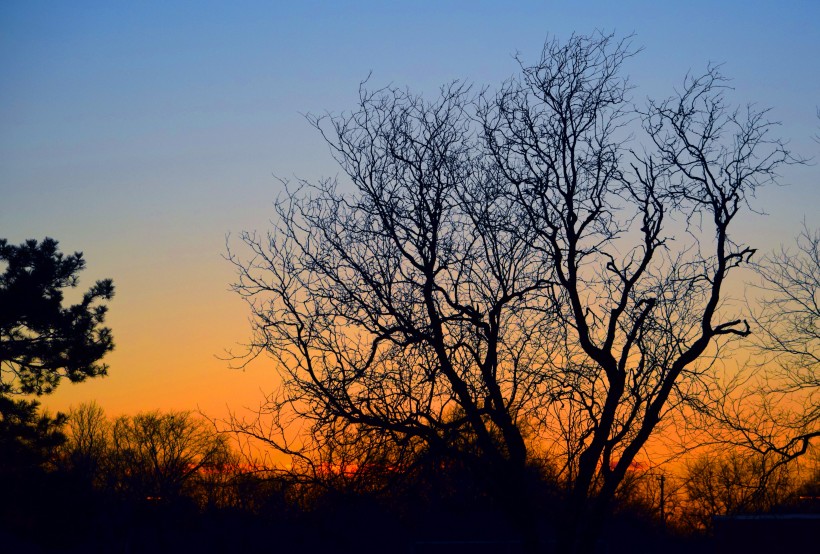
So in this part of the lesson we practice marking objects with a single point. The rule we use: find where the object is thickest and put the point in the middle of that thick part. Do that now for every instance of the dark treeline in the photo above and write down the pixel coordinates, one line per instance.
(171, 482)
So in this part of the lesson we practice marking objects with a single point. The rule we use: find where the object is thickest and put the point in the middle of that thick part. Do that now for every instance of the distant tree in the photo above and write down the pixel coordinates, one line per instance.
(89, 441)
(729, 483)
(789, 323)
(511, 261)
(41, 341)
(773, 409)
(159, 455)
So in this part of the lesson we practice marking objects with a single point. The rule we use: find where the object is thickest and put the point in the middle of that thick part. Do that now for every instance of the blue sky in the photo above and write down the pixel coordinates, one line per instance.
(143, 132)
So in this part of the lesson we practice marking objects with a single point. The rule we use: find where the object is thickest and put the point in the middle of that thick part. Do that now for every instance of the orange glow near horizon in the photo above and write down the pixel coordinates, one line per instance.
(171, 341)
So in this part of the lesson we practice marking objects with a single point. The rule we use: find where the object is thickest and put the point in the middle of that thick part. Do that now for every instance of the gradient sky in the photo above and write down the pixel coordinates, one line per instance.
(142, 133)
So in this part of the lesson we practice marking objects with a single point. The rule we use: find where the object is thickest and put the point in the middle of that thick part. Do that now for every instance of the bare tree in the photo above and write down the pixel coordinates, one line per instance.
(728, 483)
(789, 319)
(773, 410)
(510, 261)
(790, 338)
(159, 456)
(404, 307)
(642, 306)
(89, 440)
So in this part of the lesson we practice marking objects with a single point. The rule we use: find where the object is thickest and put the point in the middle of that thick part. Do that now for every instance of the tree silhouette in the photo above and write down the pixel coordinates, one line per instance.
(728, 483)
(88, 444)
(509, 264)
(774, 411)
(158, 455)
(41, 341)
(789, 320)
(27, 438)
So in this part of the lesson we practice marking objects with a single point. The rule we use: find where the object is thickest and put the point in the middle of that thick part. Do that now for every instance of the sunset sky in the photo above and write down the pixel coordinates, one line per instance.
(144, 133)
